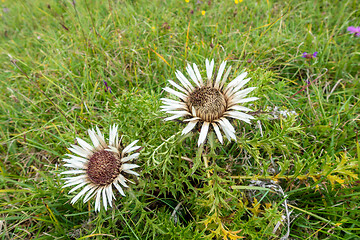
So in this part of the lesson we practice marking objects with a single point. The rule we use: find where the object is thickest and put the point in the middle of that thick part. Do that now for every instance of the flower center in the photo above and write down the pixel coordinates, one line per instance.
(103, 168)
(209, 103)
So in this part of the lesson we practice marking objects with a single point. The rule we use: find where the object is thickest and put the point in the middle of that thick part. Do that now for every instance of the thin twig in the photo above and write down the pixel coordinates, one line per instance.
(174, 213)
(302, 89)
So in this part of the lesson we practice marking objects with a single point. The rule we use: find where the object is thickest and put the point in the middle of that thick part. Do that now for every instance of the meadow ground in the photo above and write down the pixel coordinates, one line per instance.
(293, 172)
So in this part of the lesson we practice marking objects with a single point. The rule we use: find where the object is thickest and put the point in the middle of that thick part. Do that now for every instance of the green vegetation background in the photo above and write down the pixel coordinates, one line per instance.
(55, 56)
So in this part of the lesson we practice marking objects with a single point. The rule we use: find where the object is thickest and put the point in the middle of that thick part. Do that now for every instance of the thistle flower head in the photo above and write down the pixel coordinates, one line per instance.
(209, 102)
(100, 167)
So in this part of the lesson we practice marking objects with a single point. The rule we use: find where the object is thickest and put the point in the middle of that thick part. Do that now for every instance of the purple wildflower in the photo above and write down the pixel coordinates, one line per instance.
(354, 30)
(309, 55)
(107, 88)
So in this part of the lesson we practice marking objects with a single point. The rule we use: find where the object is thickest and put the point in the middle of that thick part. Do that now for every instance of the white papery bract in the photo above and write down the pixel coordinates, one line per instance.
(99, 167)
(209, 102)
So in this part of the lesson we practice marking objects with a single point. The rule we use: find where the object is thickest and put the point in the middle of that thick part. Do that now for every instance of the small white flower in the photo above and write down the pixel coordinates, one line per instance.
(277, 112)
(209, 103)
(99, 167)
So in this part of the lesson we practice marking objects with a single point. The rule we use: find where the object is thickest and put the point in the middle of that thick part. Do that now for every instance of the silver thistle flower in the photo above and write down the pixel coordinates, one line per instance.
(100, 167)
(209, 103)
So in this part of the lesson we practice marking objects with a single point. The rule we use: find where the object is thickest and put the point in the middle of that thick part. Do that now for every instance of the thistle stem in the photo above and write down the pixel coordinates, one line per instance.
(206, 163)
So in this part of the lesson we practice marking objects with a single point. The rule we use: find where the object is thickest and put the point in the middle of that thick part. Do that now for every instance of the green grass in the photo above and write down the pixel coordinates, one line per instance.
(55, 56)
